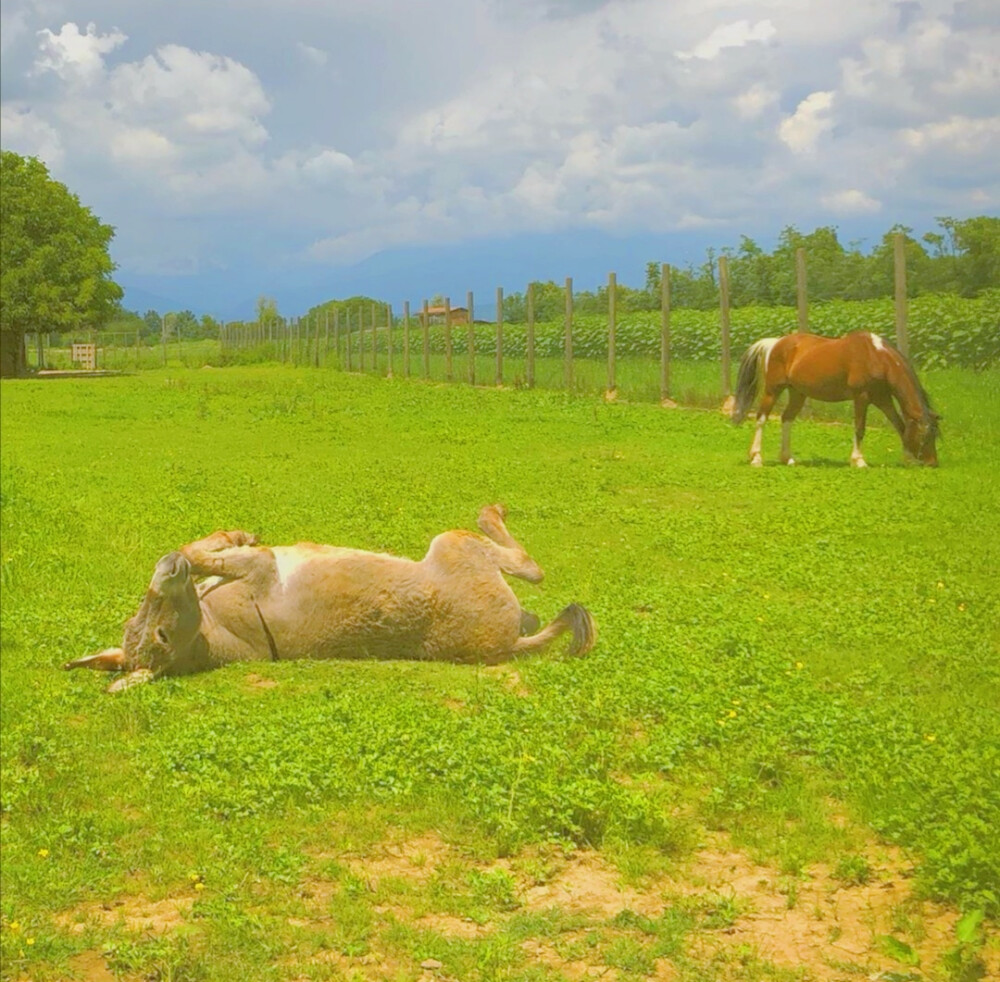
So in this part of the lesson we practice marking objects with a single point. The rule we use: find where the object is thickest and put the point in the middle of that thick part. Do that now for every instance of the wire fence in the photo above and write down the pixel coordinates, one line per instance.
(683, 356)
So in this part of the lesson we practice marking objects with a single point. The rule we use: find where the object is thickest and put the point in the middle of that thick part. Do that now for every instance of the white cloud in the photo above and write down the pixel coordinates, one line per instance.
(751, 103)
(801, 131)
(25, 132)
(958, 134)
(205, 94)
(142, 146)
(851, 202)
(733, 35)
(74, 56)
(313, 55)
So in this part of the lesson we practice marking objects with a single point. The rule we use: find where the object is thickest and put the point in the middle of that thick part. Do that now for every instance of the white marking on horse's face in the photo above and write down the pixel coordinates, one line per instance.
(877, 341)
(288, 559)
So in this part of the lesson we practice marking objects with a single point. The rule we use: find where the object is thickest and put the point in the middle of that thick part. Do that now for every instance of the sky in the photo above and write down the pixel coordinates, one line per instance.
(312, 149)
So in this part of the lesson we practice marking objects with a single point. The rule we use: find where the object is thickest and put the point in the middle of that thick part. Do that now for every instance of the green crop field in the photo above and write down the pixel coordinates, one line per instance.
(787, 734)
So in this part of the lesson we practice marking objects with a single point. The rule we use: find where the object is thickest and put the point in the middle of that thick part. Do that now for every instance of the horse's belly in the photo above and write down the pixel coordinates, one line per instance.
(343, 616)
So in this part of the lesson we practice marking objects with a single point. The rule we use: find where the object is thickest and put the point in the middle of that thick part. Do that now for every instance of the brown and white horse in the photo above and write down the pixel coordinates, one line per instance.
(860, 366)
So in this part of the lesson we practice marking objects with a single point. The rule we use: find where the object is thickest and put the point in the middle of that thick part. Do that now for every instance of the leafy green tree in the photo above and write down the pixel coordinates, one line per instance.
(55, 269)
(154, 325)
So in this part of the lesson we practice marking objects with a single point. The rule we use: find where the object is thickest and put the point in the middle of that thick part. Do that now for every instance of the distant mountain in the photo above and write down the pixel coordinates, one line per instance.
(142, 300)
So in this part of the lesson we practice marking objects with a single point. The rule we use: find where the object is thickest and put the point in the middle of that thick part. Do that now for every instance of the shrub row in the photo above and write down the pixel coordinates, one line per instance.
(944, 329)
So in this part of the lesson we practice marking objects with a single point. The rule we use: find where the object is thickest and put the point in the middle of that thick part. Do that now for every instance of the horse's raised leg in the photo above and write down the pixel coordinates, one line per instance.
(511, 556)
(763, 410)
(860, 417)
(795, 403)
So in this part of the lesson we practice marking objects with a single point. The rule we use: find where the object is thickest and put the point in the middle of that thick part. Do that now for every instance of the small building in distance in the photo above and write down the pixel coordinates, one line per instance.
(459, 315)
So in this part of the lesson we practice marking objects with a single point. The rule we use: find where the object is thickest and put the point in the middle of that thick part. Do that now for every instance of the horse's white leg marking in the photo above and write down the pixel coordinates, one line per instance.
(288, 559)
(758, 438)
(877, 341)
(857, 459)
(786, 441)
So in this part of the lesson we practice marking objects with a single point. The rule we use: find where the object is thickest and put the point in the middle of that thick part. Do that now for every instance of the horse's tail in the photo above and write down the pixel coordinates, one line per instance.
(573, 618)
(753, 367)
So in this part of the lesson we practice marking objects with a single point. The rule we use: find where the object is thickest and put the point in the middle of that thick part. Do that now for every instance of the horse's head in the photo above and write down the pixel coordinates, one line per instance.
(920, 438)
(161, 634)
(164, 637)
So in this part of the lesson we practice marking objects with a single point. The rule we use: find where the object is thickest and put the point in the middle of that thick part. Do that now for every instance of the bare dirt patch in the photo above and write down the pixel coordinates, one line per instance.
(589, 885)
(137, 914)
(816, 922)
(411, 859)
(90, 966)
(451, 927)
(255, 681)
(510, 678)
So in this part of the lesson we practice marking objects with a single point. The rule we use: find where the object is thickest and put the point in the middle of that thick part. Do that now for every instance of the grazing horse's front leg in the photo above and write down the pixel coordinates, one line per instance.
(795, 403)
(860, 417)
(763, 411)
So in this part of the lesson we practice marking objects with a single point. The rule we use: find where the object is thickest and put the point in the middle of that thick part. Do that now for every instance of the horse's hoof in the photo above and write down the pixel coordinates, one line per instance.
(858, 462)
(790, 462)
(756, 460)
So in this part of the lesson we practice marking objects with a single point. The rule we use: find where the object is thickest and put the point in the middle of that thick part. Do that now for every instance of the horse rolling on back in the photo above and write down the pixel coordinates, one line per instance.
(860, 366)
(227, 598)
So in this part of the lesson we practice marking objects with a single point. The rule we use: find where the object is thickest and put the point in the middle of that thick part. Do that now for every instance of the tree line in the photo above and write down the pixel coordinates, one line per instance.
(962, 256)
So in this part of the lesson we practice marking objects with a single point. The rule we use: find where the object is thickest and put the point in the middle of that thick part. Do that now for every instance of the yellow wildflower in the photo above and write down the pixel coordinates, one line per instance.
(43, 853)
(732, 714)
(29, 940)
(930, 737)
(15, 926)
(199, 885)
(961, 606)
(799, 665)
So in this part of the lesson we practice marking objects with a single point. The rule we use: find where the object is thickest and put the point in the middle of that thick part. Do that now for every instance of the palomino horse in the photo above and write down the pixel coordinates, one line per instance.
(859, 366)
(313, 601)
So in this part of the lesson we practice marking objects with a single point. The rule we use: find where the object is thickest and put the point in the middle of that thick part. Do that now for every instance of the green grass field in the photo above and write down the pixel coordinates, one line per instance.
(791, 717)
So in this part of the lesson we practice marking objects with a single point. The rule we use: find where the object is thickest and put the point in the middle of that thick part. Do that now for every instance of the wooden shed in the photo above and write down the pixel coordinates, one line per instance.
(459, 315)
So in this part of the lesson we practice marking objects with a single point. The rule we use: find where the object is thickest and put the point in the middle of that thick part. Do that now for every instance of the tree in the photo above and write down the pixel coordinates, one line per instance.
(55, 270)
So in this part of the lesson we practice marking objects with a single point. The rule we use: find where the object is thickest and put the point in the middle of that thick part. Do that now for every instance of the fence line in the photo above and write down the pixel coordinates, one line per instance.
(308, 340)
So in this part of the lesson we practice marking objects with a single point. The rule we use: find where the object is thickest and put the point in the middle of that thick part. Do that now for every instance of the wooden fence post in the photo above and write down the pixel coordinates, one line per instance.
(406, 339)
(347, 338)
(388, 340)
(499, 335)
(361, 339)
(800, 289)
(426, 329)
(664, 332)
(326, 335)
(899, 270)
(529, 366)
(447, 339)
(612, 325)
(163, 337)
(470, 333)
(375, 338)
(724, 314)
(568, 337)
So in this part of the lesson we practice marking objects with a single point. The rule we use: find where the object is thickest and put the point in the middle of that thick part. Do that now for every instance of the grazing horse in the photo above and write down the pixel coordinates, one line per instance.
(859, 366)
(314, 601)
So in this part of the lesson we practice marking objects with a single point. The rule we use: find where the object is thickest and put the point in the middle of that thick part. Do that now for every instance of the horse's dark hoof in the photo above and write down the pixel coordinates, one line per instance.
(529, 623)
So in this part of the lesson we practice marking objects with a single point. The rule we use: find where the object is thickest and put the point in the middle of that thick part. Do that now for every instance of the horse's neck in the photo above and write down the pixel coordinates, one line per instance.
(904, 388)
